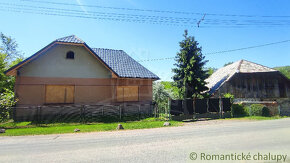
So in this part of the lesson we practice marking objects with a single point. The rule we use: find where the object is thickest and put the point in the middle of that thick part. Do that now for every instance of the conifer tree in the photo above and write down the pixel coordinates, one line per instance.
(190, 74)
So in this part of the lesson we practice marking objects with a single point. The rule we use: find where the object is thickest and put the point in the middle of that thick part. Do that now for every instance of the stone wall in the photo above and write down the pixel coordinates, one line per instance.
(284, 105)
(280, 106)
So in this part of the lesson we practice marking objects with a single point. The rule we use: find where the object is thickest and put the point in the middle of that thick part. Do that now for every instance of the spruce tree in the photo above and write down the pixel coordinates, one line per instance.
(189, 74)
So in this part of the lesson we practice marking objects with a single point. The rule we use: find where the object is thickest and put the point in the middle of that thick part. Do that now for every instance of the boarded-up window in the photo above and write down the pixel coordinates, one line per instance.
(127, 93)
(57, 94)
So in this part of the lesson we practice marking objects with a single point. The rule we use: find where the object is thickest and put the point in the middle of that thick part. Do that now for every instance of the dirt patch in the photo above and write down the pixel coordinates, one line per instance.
(215, 121)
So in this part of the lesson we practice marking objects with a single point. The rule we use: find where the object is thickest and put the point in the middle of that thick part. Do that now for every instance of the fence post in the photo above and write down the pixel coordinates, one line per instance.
(154, 110)
(120, 111)
(207, 105)
(14, 113)
(38, 114)
(193, 105)
(81, 108)
(139, 109)
(169, 108)
(220, 107)
(84, 115)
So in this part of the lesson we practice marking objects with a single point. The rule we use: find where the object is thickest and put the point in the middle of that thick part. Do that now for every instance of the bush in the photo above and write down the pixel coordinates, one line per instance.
(6, 102)
(259, 110)
(266, 112)
(238, 110)
(256, 110)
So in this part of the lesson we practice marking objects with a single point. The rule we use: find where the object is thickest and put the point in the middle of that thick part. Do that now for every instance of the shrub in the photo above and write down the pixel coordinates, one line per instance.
(6, 102)
(238, 110)
(256, 110)
(228, 95)
(259, 110)
(266, 112)
(160, 96)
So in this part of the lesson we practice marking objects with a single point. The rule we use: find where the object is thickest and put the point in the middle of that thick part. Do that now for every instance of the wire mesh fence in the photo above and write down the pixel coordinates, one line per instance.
(82, 113)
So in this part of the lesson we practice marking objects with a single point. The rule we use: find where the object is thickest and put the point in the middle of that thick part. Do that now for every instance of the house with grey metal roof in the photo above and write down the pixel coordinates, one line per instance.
(68, 71)
(245, 79)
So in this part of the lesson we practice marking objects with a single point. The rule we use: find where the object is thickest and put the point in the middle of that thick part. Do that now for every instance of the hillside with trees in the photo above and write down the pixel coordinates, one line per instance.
(284, 70)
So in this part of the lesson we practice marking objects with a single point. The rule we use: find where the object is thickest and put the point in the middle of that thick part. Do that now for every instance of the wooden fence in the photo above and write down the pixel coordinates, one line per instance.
(199, 106)
(82, 113)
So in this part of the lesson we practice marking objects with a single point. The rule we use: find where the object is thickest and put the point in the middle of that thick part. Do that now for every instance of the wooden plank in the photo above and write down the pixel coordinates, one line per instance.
(120, 94)
(130, 93)
(54, 94)
(127, 93)
(57, 94)
(70, 91)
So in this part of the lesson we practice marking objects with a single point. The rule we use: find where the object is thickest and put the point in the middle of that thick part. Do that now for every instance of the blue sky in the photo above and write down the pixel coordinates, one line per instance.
(148, 41)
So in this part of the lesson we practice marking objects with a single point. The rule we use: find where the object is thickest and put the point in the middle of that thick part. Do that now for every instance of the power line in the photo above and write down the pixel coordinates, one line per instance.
(176, 21)
(224, 51)
(156, 11)
(250, 47)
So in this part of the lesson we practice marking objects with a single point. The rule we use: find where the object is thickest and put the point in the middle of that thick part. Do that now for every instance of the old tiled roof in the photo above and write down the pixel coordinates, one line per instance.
(218, 78)
(121, 63)
(117, 60)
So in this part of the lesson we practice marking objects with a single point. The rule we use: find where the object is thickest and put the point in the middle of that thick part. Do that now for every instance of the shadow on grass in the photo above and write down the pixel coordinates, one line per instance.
(72, 122)
(201, 117)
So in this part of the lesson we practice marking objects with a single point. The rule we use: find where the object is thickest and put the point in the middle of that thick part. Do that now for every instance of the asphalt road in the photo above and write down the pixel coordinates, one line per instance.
(172, 144)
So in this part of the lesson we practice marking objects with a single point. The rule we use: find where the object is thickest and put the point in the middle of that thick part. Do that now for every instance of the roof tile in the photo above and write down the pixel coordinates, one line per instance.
(121, 63)
(71, 39)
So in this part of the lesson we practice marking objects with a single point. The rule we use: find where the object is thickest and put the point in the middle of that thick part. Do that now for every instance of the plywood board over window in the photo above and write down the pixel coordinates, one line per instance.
(127, 93)
(59, 94)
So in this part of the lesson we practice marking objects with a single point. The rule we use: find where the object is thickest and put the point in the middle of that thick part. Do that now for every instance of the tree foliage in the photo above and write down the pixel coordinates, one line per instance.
(189, 74)
(9, 56)
(285, 70)
(160, 95)
(228, 63)
(210, 70)
(6, 82)
(9, 48)
(7, 100)
(172, 88)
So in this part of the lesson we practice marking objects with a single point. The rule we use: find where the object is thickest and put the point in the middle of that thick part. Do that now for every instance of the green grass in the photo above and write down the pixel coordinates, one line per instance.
(26, 128)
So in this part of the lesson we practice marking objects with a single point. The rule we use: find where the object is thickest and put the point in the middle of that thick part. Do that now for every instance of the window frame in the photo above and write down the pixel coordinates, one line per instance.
(70, 55)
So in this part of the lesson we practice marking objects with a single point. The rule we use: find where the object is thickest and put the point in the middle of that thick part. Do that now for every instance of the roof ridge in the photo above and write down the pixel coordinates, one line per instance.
(71, 39)
(108, 49)
(261, 65)
(78, 38)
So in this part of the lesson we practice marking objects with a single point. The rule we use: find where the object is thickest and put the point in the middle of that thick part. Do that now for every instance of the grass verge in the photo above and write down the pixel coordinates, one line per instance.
(27, 128)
